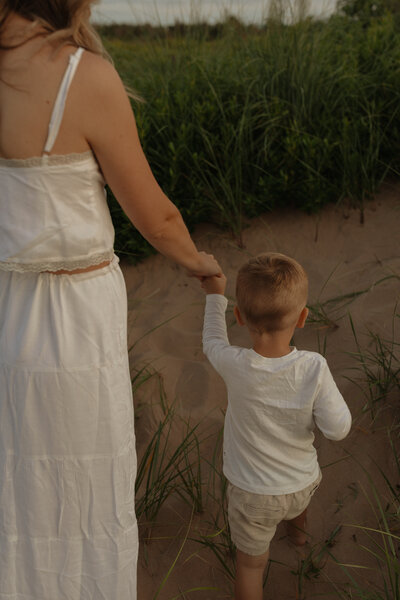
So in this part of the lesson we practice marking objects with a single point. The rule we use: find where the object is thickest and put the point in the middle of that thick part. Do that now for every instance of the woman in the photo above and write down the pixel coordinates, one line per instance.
(67, 456)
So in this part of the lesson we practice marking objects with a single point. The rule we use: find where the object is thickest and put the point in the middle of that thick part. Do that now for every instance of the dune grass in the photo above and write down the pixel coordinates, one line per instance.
(377, 367)
(380, 541)
(174, 464)
(258, 118)
(325, 314)
(167, 467)
(236, 124)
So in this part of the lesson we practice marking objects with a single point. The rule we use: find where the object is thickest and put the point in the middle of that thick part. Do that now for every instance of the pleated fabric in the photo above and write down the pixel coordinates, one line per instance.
(67, 447)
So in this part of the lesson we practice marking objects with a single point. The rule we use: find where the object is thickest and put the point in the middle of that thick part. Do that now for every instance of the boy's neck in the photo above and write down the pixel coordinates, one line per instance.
(274, 344)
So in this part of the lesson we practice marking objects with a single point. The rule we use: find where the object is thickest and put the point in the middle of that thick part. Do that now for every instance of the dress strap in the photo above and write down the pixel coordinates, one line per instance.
(59, 106)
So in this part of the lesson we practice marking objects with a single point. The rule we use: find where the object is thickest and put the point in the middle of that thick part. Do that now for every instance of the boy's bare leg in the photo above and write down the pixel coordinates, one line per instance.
(249, 575)
(296, 529)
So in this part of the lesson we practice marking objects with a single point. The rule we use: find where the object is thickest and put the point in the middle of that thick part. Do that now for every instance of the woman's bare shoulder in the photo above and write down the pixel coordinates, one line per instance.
(101, 99)
(99, 76)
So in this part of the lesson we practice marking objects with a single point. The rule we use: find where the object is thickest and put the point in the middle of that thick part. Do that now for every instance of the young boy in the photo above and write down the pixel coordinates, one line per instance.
(276, 395)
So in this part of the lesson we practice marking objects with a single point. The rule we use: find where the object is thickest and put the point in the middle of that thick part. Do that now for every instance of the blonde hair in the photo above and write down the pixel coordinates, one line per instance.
(271, 291)
(64, 21)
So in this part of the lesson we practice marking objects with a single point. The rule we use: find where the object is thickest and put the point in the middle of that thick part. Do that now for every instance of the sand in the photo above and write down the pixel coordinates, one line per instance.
(341, 257)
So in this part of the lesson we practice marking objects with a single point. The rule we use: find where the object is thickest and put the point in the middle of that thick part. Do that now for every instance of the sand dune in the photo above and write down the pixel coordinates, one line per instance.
(341, 257)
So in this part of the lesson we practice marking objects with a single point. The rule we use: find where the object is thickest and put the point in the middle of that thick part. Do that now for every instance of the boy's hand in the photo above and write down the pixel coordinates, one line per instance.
(215, 284)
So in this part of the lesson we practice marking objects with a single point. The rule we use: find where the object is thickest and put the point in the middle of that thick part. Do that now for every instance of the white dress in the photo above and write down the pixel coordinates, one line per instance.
(67, 447)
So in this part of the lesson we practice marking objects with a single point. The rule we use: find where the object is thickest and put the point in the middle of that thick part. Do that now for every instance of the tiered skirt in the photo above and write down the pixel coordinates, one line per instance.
(67, 447)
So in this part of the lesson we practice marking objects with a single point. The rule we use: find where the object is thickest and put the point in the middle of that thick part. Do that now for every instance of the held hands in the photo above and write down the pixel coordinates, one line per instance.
(215, 284)
(207, 267)
(212, 279)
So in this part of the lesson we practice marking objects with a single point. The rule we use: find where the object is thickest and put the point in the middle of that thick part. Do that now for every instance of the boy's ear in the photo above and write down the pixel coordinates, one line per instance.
(302, 318)
(238, 316)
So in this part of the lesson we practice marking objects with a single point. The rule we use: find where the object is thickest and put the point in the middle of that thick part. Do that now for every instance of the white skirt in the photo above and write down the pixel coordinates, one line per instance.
(67, 447)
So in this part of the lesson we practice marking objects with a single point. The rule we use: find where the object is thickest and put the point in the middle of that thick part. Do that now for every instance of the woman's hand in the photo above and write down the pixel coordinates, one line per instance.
(208, 266)
(214, 284)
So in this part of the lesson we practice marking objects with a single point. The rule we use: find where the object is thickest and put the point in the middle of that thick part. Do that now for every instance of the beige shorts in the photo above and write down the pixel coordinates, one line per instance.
(253, 518)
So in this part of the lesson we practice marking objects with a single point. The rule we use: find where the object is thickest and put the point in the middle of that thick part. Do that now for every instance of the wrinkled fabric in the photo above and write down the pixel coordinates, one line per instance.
(67, 447)
(53, 213)
(274, 405)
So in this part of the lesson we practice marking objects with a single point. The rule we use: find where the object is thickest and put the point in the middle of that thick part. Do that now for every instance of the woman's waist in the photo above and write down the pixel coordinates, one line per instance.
(60, 265)
(81, 270)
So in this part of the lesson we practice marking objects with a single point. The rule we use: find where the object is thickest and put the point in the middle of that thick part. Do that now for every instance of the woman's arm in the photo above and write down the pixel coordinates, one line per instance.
(111, 131)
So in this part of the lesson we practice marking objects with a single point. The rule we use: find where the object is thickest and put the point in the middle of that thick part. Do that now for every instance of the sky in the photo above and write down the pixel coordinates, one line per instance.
(169, 11)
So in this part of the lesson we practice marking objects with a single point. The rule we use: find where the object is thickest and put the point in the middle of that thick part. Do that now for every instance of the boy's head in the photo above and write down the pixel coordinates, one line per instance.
(271, 292)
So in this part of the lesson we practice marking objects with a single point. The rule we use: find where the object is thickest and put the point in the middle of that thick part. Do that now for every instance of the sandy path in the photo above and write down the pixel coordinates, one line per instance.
(341, 257)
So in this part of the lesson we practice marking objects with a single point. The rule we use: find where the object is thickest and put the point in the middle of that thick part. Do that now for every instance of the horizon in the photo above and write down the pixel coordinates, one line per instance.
(168, 12)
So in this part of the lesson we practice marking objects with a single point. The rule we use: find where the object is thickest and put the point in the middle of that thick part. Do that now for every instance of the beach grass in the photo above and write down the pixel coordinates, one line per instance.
(238, 121)
(167, 467)
(325, 314)
(175, 464)
(311, 565)
(254, 118)
(380, 541)
(377, 366)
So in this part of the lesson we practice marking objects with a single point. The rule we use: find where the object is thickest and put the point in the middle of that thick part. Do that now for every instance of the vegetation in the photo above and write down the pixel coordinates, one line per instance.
(239, 120)
(176, 463)
(365, 10)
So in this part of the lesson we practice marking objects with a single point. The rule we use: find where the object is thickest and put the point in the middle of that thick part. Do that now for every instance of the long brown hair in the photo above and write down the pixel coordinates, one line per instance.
(64, 21)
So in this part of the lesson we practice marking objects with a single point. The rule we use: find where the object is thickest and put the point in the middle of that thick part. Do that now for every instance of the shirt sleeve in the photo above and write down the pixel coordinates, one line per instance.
(215, 338)
(330, 411)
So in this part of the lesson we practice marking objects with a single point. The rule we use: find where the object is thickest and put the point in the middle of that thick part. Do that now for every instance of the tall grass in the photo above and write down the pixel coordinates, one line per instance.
(327, 313)
(257, 118)
(167, 467)
(175, 464)
(217, 537)
(310, 566)
(381, 542)
(377, 366)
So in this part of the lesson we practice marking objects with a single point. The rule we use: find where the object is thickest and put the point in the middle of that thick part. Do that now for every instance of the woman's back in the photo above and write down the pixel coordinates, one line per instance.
(67, 443)
(54, 212)
(30, 78)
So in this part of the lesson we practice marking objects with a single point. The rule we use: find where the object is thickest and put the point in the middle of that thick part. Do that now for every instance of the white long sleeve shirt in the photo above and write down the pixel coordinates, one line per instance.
(273, 407)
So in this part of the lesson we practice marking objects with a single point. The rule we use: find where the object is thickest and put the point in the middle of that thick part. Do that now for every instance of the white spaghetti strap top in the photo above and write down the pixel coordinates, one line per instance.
(53, 209)
(59, 105)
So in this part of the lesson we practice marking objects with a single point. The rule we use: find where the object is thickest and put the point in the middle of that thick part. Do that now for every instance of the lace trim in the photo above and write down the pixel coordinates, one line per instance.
(67, 265)
(52, 159)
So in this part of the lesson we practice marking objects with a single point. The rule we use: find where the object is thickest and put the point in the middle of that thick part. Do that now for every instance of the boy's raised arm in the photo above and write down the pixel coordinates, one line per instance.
(215, 337)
